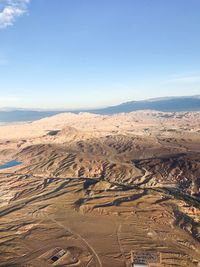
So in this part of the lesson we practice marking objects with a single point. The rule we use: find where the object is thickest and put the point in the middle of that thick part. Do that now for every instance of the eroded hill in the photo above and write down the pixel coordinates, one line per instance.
(101, 190)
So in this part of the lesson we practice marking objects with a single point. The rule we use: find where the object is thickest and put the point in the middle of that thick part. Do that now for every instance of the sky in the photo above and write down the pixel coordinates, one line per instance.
(96, 53)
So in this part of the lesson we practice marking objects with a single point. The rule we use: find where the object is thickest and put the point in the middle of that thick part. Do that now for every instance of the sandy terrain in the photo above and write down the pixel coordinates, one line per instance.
(101, 191)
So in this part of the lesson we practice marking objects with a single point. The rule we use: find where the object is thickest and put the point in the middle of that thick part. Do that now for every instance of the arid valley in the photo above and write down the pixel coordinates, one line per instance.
(101, 190)
(99, 133)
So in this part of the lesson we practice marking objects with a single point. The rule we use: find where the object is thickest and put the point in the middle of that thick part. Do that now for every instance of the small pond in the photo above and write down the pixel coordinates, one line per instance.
(10, 164)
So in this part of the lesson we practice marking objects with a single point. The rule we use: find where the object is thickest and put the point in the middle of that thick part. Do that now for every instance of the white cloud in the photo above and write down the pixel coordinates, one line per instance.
(185, 78)
(11, 10)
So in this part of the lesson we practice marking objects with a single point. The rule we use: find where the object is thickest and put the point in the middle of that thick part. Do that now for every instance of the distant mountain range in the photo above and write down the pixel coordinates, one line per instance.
(166, 104)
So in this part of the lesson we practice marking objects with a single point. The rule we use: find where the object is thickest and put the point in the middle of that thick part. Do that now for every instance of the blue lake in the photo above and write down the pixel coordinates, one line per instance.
(10, 164)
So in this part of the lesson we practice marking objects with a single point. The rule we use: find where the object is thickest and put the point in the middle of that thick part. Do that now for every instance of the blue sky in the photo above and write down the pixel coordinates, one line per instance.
(93, 53)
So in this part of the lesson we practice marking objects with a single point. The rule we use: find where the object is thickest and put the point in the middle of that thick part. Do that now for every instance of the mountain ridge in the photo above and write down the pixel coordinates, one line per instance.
(164, 104)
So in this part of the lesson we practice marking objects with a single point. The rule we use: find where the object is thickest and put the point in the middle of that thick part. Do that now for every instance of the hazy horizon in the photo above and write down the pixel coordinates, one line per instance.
(2, 108)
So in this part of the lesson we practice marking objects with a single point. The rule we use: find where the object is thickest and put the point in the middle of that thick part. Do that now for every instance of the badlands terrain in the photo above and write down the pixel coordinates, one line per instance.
(101, 191)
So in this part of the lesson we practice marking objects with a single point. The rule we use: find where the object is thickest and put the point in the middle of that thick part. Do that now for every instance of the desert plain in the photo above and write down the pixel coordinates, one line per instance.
(101, 190)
